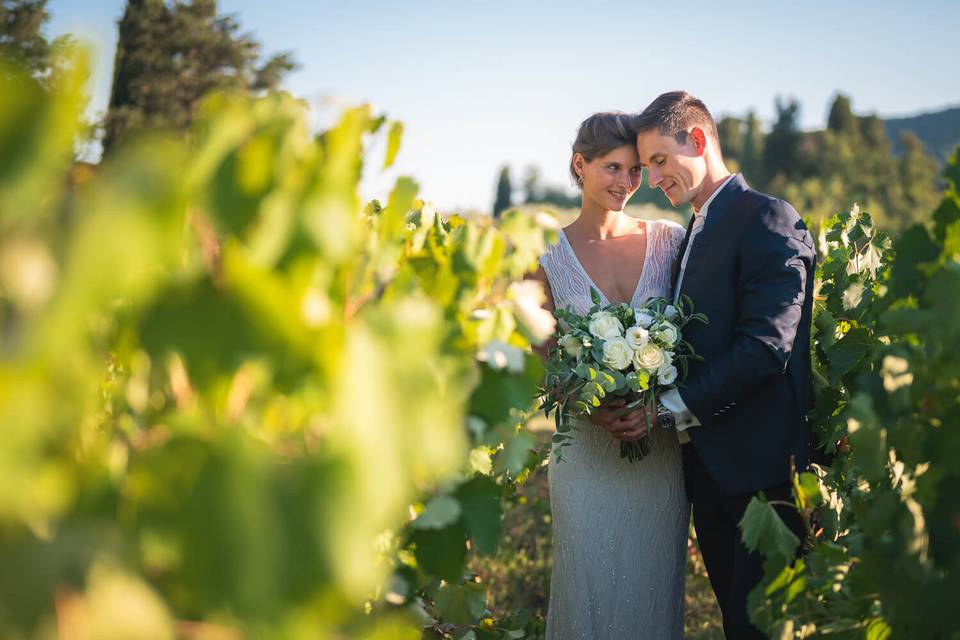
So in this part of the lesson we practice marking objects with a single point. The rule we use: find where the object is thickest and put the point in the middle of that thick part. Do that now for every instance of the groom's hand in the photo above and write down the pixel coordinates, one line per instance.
(631, 426)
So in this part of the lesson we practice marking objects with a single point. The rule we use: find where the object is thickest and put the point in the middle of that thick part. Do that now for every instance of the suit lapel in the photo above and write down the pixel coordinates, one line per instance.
(675, 269)
(729, 196)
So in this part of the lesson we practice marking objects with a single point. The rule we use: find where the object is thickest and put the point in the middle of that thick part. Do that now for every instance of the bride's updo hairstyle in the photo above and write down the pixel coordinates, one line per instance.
(600, 134)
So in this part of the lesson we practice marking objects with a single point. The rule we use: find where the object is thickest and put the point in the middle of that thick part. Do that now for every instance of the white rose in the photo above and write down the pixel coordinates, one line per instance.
(650, 357)
(604, 324)
(667, 334)
(670, 312)
(617, 353)
(527, 298)
(571, 345)
(500, 355)
(667, 374)
(637, 337)
(644, 320)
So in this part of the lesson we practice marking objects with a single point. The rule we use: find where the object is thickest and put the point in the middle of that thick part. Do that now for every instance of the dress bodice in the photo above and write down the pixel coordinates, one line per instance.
(570, 283)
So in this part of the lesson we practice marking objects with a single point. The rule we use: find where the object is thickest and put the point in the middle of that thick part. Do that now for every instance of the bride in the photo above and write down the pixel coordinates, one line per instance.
(619, 527)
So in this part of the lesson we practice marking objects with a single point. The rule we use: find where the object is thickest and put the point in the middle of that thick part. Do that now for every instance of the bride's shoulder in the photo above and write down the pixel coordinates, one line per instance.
(553, 249)
(670, 229)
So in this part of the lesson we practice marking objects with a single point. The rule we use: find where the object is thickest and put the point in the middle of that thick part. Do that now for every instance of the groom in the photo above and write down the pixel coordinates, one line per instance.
(747, 262)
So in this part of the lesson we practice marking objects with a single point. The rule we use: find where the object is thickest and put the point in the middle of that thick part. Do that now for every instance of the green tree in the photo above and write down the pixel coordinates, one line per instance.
(23, 41)
(21, 37)
(781, 152)
(917, 170)
(170, 55)
(504, 197)
(841, 118)
(730, 132)
(751, 157)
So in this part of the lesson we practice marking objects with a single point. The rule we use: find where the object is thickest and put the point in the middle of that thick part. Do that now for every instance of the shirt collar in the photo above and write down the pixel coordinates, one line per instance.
(706, 205)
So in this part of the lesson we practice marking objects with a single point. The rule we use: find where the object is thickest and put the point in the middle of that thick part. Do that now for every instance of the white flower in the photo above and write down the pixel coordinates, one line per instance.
(650, 357)
(527, 298)
(644, 320)
(667, 334)
(571, 345)
(500, 355)
(546, 221)
(617, 353)
(667, 374)
(604, 324)
(637, 337)
(670, 312)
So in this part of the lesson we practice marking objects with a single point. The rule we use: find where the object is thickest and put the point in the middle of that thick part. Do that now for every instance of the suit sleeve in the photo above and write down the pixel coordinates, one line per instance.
(775, 258)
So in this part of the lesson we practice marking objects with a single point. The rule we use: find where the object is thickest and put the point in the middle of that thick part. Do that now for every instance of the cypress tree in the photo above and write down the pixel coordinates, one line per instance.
(781, 154)
(841, 118)
(504, 198)
(170, 55)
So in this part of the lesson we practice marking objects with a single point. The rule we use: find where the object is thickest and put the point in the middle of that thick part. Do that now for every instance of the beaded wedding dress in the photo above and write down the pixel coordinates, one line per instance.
(619, 527)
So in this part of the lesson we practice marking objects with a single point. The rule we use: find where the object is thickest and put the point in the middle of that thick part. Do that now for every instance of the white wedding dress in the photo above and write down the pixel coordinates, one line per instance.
(619, 527)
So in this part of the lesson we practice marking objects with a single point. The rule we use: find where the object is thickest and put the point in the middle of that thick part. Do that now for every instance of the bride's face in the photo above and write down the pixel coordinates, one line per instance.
(609, 180)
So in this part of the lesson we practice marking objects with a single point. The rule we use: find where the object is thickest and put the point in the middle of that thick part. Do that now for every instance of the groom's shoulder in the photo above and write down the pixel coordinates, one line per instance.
(773, 213)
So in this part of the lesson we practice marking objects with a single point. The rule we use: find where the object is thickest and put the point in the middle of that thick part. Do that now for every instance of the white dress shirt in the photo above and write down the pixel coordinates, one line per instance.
(671, 400)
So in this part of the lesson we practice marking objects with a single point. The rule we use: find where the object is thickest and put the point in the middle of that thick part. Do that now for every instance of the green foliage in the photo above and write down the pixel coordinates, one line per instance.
(851, 160)
(23, 42)
(883, 549)
(225, 385)
(764, 531)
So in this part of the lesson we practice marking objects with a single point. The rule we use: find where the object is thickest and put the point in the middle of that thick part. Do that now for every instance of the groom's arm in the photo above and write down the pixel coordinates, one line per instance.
(775, 256)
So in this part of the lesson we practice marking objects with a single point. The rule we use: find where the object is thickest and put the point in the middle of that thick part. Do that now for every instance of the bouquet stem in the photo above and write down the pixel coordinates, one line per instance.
(636, 450)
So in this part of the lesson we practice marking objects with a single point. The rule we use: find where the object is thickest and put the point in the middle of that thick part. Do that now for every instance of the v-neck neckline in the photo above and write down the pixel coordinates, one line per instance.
(643, 273)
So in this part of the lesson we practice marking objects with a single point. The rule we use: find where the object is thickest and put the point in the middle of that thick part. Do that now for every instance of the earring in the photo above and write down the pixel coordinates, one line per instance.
(580, 180)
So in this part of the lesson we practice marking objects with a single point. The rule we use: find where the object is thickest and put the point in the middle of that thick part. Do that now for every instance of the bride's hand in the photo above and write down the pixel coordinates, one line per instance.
(631, 426)
(645, 419)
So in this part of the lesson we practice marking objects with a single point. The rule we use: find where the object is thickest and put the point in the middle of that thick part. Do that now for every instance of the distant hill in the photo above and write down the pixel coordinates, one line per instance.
(939, 131)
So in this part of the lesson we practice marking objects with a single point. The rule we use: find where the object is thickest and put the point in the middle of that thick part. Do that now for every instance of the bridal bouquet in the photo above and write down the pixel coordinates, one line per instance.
(616, 351)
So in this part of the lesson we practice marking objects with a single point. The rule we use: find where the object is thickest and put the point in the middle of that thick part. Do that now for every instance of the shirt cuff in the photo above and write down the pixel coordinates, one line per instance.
(685, 419)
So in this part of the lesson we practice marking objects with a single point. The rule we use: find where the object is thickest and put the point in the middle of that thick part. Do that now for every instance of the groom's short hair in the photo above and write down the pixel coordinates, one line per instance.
(673, 113)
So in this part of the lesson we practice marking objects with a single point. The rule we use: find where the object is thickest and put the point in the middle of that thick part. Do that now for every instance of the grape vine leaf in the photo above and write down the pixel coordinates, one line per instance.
(482, 511)
(514, 454)
(848, 351)
(440, 512)
(763, 530)
(461, 604)
(853, 295)
(394, 136)
(441, 552)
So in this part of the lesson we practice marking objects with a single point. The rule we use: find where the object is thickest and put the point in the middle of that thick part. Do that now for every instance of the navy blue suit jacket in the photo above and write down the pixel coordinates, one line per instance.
(751, 271)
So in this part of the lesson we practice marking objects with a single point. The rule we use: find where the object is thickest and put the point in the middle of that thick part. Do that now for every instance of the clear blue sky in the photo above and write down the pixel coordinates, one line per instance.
(490, 82)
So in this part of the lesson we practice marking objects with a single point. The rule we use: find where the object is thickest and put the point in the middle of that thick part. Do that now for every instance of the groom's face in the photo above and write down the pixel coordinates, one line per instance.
(676, 169)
